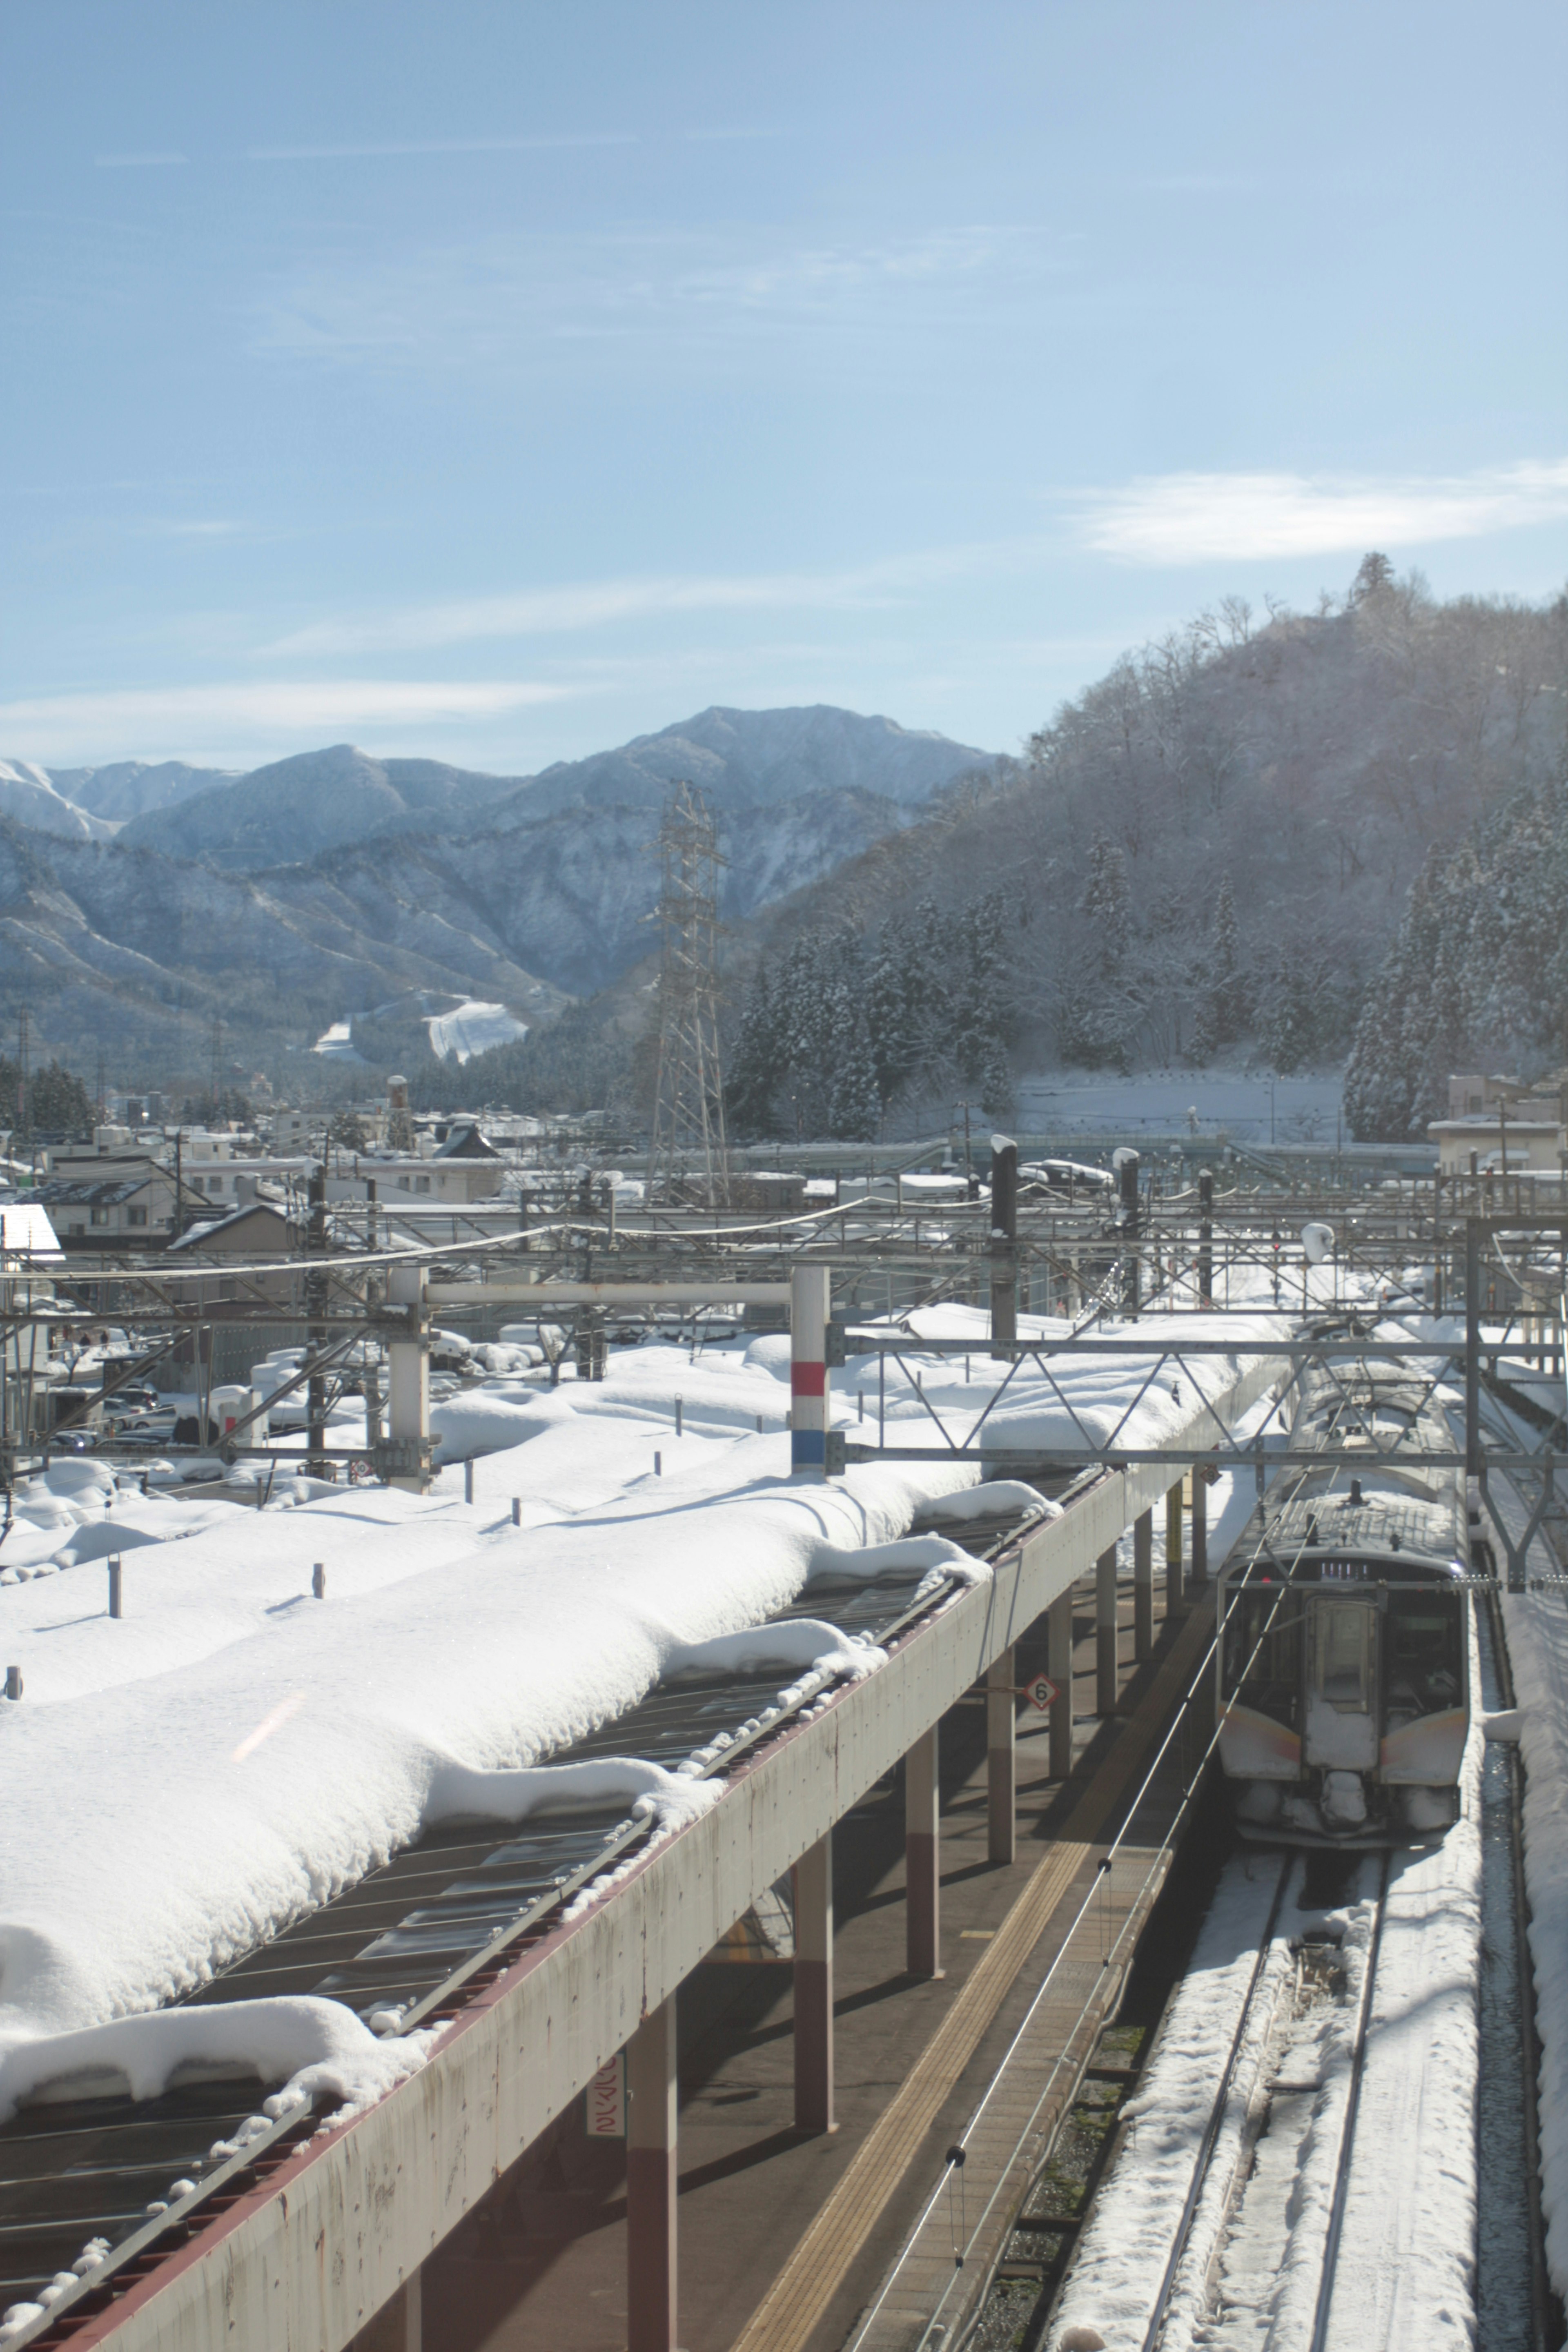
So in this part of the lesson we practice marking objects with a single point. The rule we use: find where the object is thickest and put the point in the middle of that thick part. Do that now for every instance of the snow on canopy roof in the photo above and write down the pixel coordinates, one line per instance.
(26, 1229)
(452, 1639)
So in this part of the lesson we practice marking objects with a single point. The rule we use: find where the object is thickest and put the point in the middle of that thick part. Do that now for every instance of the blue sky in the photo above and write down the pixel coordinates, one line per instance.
(500, 381)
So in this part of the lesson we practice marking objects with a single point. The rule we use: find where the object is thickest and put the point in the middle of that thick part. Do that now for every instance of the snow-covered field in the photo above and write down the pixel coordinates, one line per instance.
(336, 1044)
(232, 1751)
(472, 1027)
(1249, 1109)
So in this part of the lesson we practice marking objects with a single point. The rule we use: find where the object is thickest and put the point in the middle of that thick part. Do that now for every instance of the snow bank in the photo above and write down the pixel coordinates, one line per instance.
(492, 1420)
(645, 1790)
(1537, 1628)
(308, 2044)
(998, 1498)
(878, 1561)
(796, 1642)
(233, 1751)
(312, 1739)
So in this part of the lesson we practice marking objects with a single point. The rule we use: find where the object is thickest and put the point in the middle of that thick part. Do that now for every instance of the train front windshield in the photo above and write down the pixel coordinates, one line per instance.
(1423, 1649)
(1267, 1622)
(1417, 1640)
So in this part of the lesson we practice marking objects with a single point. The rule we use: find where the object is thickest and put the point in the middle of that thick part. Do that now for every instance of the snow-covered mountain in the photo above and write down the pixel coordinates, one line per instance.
(313, 802)
(318, 801)
(754, 759)
(130, 788)
(28, 795)
(323, 885)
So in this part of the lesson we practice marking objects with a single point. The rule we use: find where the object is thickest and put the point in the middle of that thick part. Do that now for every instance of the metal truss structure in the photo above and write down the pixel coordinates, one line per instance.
(1088, 1259)
(1346, 1351)
(686, 1147)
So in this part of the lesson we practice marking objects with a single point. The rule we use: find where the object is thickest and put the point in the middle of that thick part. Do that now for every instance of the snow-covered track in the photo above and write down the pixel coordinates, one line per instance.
(1348, 2121)
(1245, 2025)
(1224, 2154)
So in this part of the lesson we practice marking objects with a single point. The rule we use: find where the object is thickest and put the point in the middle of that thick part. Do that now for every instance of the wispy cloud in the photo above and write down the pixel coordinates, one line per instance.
(61, 724)
(1171, 519)
(590, 604)
(194, 528)
(369, 150)
(137, 162)
(452, 306)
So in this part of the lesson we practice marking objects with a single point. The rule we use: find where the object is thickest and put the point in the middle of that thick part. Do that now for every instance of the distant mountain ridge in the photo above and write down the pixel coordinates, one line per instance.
(751, 759)
(316, 801)
(130, 788)
(323, 885)
(28, 795)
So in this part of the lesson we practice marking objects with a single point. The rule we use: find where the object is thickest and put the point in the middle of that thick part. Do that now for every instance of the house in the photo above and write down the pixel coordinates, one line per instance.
(449, 1172)
(107, 1194)
(1501, 1123)
(254, 1233)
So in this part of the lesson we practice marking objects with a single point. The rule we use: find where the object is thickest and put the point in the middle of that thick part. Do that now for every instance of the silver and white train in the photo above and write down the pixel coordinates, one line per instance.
(1344, 1659)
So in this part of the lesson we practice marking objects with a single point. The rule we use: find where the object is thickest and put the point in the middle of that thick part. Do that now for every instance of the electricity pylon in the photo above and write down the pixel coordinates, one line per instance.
(687, 1141)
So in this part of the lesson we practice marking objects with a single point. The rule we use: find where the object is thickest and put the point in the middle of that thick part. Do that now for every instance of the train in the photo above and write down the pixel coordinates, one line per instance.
(1343, 1656)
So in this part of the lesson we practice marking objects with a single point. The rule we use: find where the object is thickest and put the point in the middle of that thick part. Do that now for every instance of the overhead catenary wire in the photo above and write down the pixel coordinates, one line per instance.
(1198, 1679)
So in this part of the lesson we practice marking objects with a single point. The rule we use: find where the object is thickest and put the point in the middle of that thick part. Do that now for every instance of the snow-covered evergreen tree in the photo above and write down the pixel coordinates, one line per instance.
(752, 1077)
(1478, 973)
(1222, 1006)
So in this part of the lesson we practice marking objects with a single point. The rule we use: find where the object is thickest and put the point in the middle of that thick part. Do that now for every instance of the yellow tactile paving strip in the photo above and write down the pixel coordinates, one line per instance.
(784, 2319)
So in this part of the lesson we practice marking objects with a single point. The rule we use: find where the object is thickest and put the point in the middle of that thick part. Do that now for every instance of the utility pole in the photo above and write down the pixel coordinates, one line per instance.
(1127, 1177)
(316, 1327)
(215, 1088)
(1003, 1242)
(24, 1085)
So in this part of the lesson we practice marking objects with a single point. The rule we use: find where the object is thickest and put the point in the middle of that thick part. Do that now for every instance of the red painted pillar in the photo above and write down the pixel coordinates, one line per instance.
(923, 1858)
(1001, 1759)
(813, 1988)
(651, 2183)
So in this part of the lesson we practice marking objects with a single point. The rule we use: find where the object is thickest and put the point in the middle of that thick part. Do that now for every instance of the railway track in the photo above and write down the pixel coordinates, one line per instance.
(1271, 2083)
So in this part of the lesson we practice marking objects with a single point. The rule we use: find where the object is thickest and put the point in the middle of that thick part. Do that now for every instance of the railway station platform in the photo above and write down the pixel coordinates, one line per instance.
(788, 2239)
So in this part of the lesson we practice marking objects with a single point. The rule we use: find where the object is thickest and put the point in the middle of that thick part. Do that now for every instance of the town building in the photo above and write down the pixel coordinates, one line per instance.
(1499, 1124)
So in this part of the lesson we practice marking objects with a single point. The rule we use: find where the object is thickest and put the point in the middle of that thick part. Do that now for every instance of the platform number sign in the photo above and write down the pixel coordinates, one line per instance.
(607, 2100)
(1041, 1693)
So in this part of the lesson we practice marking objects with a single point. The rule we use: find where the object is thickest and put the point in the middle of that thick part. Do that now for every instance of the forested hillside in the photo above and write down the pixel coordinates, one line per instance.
(1209, 852)
(1477, 974)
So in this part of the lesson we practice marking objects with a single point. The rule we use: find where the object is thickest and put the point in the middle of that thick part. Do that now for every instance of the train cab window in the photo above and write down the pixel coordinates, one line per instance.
(1424, 1659)
(1342, 1655)
(1269, 1681)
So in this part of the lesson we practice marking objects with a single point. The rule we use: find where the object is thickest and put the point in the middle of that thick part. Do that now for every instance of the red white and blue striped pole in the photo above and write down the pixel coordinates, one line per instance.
(810, 1296)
